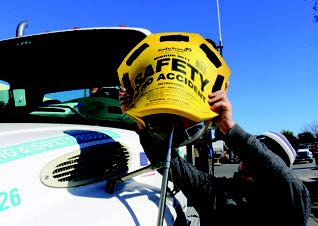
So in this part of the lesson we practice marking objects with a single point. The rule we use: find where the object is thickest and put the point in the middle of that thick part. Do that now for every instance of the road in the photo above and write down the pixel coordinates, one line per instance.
(307, 172)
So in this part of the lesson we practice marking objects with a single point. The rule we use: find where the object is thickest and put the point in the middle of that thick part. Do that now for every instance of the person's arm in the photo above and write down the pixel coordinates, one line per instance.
(200, 187)
(261, 161)
(280, 188)
(250, 150)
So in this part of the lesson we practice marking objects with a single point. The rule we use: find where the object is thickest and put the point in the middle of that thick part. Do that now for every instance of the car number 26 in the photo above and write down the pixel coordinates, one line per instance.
(8, 199)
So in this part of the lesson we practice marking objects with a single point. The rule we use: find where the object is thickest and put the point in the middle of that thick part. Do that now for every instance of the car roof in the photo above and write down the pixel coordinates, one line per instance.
(67, 59)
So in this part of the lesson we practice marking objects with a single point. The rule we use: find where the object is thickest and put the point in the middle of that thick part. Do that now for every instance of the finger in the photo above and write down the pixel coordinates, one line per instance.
(123, 95)
(217, 107)
(216, 97)
(227, 86)
(124, 98)
(121, 91)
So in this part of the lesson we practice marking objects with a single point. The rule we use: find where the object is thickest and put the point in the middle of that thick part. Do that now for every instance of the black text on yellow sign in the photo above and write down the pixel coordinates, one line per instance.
(179, 70)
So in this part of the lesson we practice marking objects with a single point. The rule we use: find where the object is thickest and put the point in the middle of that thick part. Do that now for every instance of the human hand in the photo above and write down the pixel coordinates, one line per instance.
(221, 105)
(124, 99)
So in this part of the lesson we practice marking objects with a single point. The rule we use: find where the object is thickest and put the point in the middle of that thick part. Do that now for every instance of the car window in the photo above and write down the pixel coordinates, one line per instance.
(4, 94)
(94, 106)
(302, 146)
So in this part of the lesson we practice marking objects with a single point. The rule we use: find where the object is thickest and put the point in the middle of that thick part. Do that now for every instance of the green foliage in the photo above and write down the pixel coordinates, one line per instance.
(287, 132)
(306, 138)
(291, 138)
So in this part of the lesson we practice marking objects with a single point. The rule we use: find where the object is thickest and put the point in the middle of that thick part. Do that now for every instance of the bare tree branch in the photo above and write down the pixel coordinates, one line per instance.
(312, 127)
(315, 17)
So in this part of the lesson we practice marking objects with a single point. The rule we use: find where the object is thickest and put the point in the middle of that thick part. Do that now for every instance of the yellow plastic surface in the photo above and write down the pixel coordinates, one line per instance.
(172, 73)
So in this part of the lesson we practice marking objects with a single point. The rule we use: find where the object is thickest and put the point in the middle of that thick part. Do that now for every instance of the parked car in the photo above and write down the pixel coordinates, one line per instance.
(304, 154)
(314, 149)
(60, 146)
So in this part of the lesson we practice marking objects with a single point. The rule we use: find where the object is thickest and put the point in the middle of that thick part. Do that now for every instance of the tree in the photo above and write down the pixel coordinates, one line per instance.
(291, 138)
(312, 127)
(287, 132)
(315, 18)
(306, 138)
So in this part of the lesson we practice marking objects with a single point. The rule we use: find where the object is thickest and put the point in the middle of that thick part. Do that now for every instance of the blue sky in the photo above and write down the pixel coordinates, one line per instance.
(271, 46)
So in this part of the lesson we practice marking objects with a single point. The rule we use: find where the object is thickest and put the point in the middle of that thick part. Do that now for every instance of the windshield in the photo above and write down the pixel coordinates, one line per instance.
(68, 76)
(303, 146)
(92, 106)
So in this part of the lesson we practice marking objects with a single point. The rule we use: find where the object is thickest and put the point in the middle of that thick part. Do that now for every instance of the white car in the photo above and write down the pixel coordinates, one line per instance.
(61, 142)
(304, 154)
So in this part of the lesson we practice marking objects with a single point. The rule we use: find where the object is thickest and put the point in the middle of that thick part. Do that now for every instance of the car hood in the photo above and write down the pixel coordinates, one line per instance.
(55, 174)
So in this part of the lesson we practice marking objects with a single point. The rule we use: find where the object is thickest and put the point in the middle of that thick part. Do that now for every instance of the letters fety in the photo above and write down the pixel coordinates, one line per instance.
(142, 79)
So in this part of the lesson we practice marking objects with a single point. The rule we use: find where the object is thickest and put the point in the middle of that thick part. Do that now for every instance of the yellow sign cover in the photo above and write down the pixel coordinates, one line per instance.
(173, 73)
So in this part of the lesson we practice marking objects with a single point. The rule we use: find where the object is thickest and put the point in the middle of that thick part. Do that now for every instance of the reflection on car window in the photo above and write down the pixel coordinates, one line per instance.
(93, 106)
(4, 93)
(99, 105)
(67, 95)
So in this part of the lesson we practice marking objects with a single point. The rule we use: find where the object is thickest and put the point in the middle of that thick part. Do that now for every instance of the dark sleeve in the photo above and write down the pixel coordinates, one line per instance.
(196, 185)
(199, 187)
(279, 187)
